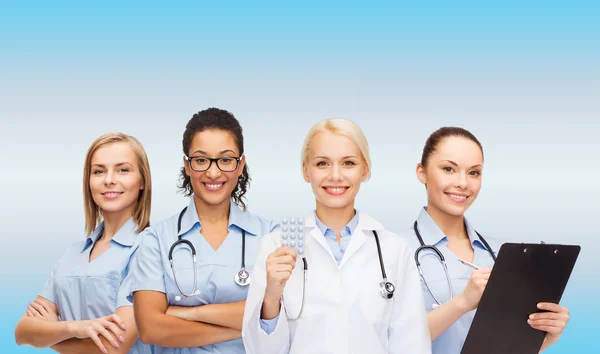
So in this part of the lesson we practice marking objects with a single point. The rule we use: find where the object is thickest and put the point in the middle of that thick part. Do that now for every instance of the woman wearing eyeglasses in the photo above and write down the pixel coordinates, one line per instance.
(189, 280)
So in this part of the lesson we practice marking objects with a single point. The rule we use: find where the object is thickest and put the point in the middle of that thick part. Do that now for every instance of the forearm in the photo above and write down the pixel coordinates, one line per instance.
(226, 315)
(41, 333)
(172, 332)
(444, 316)
(85, 346)
(270, 307)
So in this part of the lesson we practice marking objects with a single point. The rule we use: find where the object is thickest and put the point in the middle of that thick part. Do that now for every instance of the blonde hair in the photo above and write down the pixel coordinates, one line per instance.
(141, 211)
(342, 127)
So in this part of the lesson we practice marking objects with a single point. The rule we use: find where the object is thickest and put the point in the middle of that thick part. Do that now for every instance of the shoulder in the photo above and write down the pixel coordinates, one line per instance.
(493, 242)
(409, 235)
(391, 239)
(260, 226)
(162, 230)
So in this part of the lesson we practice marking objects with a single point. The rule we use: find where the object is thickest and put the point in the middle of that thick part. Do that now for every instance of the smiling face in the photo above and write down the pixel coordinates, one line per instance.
(335, 168)
(452, 175)
(115, 178)
(213, 186)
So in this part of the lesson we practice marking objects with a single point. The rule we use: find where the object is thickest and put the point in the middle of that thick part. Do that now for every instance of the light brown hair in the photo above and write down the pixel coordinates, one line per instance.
(141, 211)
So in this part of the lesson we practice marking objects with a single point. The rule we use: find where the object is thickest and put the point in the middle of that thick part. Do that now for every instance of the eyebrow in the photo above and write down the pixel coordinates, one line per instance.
(455, 164)
(329, 158)
(118, 164)
(205, 153)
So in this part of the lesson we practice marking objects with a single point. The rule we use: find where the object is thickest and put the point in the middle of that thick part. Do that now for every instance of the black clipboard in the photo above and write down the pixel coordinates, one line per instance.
(523, 275)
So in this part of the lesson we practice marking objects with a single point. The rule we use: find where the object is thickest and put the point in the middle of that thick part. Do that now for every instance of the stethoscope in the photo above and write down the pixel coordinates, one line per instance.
(386, 289)
(442, 260)
(241, 278)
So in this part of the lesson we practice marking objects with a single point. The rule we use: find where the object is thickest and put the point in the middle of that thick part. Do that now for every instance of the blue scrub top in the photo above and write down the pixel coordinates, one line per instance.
(84, 290)
(216, 270)
(452, 340)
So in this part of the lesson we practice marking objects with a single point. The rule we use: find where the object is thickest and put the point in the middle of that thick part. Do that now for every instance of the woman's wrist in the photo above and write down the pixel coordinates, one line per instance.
(270, 307)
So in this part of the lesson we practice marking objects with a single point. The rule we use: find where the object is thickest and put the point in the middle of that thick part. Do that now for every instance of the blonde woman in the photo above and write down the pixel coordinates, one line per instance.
(352, 287)
(82, 308)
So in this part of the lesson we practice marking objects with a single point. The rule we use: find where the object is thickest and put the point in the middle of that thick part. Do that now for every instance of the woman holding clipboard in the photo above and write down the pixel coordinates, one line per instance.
(450, 252)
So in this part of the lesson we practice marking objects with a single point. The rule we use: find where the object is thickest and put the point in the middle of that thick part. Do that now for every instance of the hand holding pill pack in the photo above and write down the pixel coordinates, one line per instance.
(292, 234)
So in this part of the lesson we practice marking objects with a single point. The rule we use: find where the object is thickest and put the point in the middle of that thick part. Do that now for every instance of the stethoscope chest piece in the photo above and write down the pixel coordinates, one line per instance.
(386, 289)
(242, 278)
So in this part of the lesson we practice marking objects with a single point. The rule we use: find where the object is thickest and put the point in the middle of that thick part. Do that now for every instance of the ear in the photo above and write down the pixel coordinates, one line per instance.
(365, 173)
(305, 172)
(421, 174)
(241, 166)
(186, 166)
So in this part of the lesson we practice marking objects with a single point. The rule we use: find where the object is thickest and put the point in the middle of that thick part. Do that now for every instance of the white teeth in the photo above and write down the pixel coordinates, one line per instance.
(336, 189)
(111, 194)
(458, 197)
(214, 186)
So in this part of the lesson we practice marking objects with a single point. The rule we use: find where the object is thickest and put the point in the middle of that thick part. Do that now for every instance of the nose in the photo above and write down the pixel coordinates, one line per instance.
(336, 173)
(461, 181)
(213, 170)
(110, 177)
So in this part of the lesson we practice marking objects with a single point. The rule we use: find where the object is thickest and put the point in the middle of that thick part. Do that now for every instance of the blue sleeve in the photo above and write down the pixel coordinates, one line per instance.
(269, 325)
(125, 288)
(47, 291)
(146, 270)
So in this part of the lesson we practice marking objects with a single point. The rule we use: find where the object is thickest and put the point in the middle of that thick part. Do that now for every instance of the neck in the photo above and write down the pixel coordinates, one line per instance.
(113, 222)
(211, 213)
(453, 226)
(335, 218)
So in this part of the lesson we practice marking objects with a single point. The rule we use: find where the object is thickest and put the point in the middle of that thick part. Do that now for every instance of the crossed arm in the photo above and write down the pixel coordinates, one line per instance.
(184, 327)
(40, 327)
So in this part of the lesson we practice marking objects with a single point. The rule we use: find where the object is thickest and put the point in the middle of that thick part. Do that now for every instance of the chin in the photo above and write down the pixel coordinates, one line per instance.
(214, 199)
(335, 203)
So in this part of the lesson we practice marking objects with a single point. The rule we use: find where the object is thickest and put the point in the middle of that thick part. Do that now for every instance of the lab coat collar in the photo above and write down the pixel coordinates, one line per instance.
(365, 223)
(237, 218)
(432, 234)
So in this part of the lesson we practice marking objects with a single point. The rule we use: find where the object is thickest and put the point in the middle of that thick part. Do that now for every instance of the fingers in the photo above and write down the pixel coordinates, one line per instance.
(550, 326)
(548, 329)
(101, 328)
(112, 326)
(34, 312)
(284, 250)
(94, 337)
(116, 319)
(39, 308)
(549, 316)
(44, 305)
(549, 306)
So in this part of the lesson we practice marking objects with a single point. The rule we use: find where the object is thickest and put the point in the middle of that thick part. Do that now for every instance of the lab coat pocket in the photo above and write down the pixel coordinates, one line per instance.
(376, 310)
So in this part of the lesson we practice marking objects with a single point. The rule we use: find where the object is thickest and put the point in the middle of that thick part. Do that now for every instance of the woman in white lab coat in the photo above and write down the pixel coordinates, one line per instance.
(342, 302)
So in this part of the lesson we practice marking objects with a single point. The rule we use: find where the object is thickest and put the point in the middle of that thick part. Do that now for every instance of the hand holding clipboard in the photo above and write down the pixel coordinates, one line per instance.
(523, 276)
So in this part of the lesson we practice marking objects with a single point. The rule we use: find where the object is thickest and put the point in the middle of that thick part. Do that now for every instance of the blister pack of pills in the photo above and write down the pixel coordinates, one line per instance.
(292, 234)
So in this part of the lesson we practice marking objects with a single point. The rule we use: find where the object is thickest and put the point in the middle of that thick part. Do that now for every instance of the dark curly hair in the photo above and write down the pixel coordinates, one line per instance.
(215, 119)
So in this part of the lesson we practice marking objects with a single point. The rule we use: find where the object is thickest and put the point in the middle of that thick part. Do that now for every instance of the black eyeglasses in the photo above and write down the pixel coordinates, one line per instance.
(225, 164)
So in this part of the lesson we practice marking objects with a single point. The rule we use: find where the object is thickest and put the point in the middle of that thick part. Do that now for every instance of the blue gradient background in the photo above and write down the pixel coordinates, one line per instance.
(523, 77)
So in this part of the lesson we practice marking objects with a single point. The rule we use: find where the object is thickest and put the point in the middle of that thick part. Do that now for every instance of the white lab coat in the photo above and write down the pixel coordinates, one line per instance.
(343, 311)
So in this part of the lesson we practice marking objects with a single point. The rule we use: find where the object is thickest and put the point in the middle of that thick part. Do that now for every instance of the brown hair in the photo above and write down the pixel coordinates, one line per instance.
(141, 211)
(215, 119)
(445, 132)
